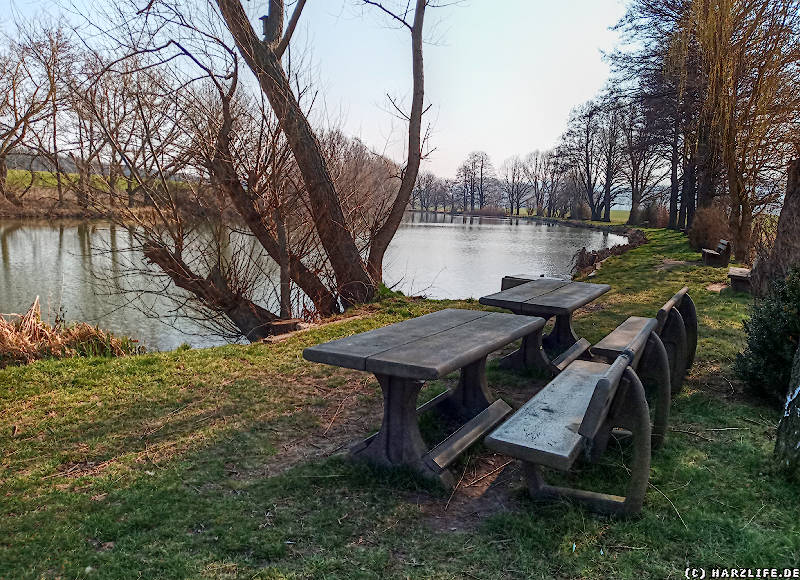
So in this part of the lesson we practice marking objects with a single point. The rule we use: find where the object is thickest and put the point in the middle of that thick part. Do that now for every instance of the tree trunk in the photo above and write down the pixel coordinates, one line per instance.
(787, 440)
(285, 276)
(705, 167)
(380, 241)
(688, 193)
(741, 218)
(355, 284)
(785, 252)
(224, 174)
(673, 178)
(252, 321)
(636, 210)
(607, 201)
(3, 176)
(83, 185)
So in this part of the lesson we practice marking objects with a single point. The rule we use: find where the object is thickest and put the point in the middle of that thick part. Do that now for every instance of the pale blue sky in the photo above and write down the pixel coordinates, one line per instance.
(501, 75)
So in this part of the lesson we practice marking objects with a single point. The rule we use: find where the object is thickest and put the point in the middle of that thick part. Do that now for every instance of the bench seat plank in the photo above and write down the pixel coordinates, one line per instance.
(544, 430)
(613, 344)
(437, 355)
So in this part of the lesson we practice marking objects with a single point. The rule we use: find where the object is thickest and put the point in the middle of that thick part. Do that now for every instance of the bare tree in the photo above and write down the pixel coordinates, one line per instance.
(611, 148)
(516, 184)
(750, 54)
(582, 151)
(641, 159)
(25, 93)
(356, 279)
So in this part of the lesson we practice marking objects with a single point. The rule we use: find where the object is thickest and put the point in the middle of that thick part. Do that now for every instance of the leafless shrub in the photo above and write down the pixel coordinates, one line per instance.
(710, 225)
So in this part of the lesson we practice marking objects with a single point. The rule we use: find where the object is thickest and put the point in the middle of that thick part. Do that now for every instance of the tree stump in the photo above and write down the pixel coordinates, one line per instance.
(787, 444)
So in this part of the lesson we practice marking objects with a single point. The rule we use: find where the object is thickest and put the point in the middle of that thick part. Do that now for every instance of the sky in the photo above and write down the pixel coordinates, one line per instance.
(500, 75)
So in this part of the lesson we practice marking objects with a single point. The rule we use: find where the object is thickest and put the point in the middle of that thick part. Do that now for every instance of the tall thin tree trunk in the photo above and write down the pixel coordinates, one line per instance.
(3, 176)
(673, 178)
(705, 167)
(741, 218)
(285, 275)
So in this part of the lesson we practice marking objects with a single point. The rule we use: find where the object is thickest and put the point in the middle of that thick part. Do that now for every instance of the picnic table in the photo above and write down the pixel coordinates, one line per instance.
(405, 355)
(545, 298)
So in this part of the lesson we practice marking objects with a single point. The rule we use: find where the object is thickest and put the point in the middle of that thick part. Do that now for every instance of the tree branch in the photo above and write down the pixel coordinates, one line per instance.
(281, 48)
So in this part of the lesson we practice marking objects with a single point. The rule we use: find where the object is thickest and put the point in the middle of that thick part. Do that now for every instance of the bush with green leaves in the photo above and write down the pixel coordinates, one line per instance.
(773, 333)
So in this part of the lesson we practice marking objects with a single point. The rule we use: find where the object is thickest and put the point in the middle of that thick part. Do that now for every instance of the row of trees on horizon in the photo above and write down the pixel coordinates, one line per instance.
(702, 111)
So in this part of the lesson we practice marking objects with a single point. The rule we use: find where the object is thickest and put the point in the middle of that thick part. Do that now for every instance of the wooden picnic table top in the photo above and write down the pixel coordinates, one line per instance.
(546, 297)
(427, 347)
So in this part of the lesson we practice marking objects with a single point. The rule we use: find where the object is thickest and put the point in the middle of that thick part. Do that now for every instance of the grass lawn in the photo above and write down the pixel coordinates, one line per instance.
(226, 463)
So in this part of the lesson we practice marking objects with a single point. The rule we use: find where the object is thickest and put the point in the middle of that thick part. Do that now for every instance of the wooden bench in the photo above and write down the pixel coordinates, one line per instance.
(666, 357)
(405, 355)
(576, 413)
(740, 279)
(677, 329)
(720, 257)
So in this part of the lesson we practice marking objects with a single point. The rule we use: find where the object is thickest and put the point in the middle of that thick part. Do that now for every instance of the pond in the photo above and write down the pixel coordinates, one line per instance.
(440, 256)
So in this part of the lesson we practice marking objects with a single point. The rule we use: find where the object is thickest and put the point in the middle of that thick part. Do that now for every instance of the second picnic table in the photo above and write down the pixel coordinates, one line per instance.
(545, 298)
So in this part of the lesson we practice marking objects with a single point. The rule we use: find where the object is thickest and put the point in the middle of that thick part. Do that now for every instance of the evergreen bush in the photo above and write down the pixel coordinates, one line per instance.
(773, 333)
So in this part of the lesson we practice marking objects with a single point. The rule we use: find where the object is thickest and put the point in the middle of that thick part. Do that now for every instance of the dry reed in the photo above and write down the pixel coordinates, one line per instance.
(26, 337)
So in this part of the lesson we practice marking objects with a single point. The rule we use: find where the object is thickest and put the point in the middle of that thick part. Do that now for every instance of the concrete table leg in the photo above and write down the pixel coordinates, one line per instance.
(562, 336)
(399, 441)
(530, 355)
(471, 395)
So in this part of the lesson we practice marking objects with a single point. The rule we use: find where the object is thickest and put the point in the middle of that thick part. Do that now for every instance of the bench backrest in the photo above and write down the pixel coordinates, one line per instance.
(603, 396)
(606, 387)
(724, 248)
(674, 302)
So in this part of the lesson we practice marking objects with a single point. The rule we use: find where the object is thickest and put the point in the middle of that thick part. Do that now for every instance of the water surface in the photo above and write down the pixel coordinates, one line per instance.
(440, 256)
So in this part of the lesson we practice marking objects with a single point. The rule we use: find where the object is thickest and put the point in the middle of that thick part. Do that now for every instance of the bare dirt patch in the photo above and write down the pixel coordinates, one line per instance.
(488, 485)
(716, 287)
(669, 264)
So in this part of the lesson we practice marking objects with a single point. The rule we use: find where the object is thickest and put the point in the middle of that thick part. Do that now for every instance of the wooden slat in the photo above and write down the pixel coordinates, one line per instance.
(545, 429)
(564, 300)
(448, 450)
(631, 334)
(514, 297)
(434, 356)
(602, 397)
(676, 300)
(352, 351)
(563, 360)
